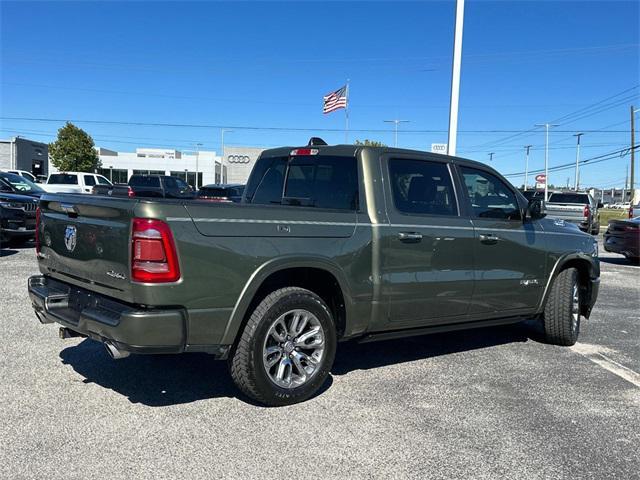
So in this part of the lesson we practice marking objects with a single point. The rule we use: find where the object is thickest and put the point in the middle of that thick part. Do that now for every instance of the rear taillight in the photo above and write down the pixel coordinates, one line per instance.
(38, 230)
(586, 212)
(631, 212)
(130, 192)
(153, 252)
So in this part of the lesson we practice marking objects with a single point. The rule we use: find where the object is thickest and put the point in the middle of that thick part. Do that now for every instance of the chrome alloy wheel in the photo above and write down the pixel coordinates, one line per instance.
(293, 348)
(575, 307)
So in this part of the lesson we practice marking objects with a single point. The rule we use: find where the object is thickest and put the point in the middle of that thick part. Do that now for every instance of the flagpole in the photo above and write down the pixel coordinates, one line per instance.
(346, 117)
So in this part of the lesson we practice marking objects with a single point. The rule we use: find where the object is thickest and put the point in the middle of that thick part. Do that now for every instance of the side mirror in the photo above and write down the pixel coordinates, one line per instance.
(535, 209)
(600, 205)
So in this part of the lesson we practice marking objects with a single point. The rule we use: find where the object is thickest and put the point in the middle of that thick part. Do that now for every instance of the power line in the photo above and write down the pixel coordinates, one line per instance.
(593, 160)
(560, 119)
(258, 128)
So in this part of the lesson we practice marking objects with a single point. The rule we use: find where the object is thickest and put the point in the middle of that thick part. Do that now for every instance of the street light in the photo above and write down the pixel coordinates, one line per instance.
(222, 176)
(577, 182)
(546, 157)
(396, 122)
(198, 145)
(491, 154)
(526, 166)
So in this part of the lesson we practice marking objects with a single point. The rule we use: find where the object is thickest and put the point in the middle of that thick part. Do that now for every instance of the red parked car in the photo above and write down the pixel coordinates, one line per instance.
(623, 236)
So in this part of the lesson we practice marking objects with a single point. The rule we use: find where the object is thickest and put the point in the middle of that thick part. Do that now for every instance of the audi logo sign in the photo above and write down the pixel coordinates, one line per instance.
(238, 159)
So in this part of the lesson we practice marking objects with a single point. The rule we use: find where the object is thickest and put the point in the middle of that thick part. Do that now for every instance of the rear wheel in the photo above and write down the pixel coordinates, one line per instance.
(562, 311)
(286, 349)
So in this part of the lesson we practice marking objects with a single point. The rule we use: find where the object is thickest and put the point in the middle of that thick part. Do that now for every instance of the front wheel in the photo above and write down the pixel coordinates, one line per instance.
(562, 311)
(286, 349)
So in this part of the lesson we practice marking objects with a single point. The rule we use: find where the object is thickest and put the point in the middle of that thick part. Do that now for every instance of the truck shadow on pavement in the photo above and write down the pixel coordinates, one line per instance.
(163, 380)
(363, 356)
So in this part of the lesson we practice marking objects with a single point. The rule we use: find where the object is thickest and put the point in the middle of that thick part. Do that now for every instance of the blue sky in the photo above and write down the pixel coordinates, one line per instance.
(261, 64)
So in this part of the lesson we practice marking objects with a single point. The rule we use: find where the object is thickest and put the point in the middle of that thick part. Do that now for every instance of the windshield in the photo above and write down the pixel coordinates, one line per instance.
(63, 179)
(21, 184)
(569, 198)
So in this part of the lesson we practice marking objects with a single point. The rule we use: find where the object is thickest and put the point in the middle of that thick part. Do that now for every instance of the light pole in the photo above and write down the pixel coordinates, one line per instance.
(396, 122)
(198, 145)
(455, 78)
(222, 175)
(491, 154)
(546, 157)
(526, 166)
(577, 183)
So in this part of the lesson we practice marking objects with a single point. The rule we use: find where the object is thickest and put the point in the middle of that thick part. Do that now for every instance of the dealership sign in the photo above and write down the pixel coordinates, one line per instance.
(541, 181)
(439, 148)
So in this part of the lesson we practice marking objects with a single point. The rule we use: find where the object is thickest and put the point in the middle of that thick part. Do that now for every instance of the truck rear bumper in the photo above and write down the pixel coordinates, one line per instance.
(127, 327)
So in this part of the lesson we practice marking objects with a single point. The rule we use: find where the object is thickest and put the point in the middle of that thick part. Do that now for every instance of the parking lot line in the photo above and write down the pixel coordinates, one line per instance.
(594, 353)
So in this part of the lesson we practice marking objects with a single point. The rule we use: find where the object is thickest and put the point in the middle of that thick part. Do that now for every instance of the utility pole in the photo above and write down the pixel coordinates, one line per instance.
(526, 166)
(491, 156)
(396, 122)
(633, 166)
(577, 184)
(455, 78)
(546, 157)
(198, 145)
(222, 175)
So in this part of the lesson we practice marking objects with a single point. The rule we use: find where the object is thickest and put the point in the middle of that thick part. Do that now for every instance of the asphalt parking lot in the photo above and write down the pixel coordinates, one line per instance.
(491, 403)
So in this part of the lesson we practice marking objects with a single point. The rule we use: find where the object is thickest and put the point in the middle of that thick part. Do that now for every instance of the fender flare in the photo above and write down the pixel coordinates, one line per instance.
(270, 267)
(558, 267)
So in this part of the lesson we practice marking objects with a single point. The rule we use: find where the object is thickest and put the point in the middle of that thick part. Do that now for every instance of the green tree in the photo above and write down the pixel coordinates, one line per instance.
(73, 150)
(370, 143)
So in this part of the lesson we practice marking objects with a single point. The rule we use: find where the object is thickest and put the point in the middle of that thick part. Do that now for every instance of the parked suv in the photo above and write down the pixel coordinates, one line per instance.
(330, 243)
(17, 217)
(12, 183)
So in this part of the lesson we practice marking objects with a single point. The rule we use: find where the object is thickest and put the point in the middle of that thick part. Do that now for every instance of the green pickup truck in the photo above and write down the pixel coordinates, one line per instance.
(329, 243)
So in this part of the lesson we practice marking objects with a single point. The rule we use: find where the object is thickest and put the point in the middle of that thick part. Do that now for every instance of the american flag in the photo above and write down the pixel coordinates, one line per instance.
(335, 100)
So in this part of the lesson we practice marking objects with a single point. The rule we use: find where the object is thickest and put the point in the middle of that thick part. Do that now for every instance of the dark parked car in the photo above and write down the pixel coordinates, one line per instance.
(12, 183)
(623, 236)
(153, 186)
(221, 193)
(17, 217)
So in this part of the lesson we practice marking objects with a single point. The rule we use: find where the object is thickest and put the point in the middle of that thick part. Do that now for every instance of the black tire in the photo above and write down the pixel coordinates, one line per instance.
(595, 230)
(246, 362)
(560, 325)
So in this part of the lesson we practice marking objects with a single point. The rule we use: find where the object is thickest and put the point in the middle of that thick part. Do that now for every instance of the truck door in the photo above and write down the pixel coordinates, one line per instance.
(427, 258)
(509, 254)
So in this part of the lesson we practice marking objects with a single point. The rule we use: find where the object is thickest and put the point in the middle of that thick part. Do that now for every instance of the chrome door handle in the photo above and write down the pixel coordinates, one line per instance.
(410, 237)
(489, 238)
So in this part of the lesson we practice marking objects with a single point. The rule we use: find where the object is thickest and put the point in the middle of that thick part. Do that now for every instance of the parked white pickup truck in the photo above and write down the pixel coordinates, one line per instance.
(73, 182)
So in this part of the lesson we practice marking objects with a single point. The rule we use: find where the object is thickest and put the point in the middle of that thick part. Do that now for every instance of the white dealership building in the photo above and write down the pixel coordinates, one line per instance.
(236, 164)
(119, 166)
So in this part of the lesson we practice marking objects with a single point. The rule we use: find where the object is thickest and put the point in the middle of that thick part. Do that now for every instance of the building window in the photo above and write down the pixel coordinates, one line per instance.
(116, 175)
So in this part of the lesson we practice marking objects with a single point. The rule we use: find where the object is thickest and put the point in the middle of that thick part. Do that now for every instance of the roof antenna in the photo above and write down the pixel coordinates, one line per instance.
(316, 141)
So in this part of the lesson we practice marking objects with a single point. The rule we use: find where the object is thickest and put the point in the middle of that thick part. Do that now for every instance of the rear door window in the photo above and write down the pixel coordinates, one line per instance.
(422, 187)
(89, 180)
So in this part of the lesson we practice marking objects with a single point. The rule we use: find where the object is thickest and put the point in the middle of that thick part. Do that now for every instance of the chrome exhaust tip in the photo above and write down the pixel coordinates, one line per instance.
(114, 352)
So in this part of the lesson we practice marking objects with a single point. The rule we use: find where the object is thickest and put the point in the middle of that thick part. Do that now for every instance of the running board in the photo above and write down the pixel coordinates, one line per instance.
(414, 332)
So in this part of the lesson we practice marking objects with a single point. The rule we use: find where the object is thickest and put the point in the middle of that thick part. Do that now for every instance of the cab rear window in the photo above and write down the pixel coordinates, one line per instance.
(307, 181)
(63, 179)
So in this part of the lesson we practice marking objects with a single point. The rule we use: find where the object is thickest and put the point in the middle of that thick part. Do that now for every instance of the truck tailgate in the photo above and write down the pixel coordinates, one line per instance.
(566, 211)
(85, 241)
